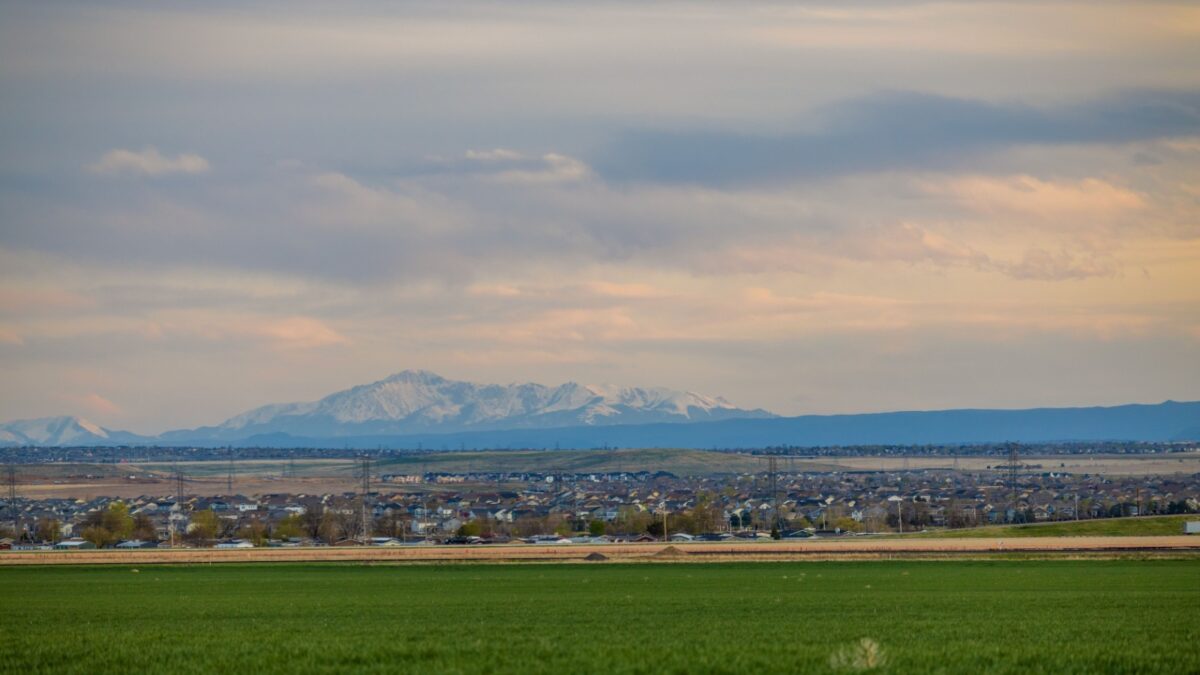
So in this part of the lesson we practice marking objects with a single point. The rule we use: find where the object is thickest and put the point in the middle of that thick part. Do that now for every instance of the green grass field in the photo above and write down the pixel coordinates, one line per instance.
(1102, 527)
(970, 617)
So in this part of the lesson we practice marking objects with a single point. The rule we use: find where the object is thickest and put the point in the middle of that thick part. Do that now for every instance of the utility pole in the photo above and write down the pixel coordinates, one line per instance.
(900, 514)
(665, 539)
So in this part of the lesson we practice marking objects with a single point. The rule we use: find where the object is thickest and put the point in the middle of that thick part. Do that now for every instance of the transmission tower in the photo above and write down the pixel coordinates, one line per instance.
(366, 491)
(1014, 463)
(777, 503)
(229, 474)
(10, 475)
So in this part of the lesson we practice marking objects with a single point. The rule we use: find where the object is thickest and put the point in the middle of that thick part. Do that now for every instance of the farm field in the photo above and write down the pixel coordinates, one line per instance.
(964, 616)
(1145, 526)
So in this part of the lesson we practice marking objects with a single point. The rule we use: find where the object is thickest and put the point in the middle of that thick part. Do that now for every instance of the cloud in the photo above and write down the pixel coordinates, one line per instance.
(1090, 198)
(895, 130)
(1042, 265)
(10, 336)
(96, 404)
(298, 332)
(148, 162)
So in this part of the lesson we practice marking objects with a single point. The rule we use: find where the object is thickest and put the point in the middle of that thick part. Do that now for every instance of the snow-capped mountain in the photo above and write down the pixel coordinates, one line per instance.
(55, 431)
(423, 402)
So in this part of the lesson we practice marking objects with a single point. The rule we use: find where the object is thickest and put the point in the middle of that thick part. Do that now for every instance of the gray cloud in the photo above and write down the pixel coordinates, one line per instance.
(895, 130)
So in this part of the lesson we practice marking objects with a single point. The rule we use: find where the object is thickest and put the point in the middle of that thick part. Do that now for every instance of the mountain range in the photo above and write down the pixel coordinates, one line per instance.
(411, 402)
(419, 408)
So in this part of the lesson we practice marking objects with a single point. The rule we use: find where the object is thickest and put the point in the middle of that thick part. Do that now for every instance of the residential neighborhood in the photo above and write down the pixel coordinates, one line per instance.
(541, 507)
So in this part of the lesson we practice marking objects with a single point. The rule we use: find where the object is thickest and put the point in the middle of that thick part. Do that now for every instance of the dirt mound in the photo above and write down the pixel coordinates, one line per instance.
(596, 557)
(669, 552)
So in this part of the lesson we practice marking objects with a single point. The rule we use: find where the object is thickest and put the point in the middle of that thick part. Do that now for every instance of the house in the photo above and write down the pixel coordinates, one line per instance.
(74, 545)
(235, 543)
(137, 543)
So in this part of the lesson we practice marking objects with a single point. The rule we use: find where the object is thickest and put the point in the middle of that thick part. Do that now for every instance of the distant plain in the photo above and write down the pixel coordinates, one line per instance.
(338, 475)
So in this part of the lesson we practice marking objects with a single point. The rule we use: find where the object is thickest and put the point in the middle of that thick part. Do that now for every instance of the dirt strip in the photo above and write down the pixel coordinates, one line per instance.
(852, 547)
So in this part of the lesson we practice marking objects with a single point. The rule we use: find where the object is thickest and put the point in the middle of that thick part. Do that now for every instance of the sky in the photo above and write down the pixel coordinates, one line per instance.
(804, 207)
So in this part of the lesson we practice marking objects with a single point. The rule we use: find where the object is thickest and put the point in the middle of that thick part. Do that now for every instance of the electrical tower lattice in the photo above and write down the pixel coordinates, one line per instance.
(365, 468)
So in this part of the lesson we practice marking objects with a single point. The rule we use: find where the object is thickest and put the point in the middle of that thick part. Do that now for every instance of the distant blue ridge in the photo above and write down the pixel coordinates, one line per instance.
(1168, 421)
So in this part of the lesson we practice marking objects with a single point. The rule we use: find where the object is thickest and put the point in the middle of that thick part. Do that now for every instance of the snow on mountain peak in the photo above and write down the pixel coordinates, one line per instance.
(421, 401)
(64, 430)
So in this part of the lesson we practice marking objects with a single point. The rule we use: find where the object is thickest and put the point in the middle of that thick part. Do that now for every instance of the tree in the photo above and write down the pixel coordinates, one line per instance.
(203, 527)
(564, 528)
(49, 529)
(705, 515)
(143, 528)
(254, 532)
(848, 524)
(596, 528)
(333, 526)
(291, 526)
(312, 522)
(471, 528)
(631, 520)
(108, 526)
(115, 518)
(100, 537)
(655, 528)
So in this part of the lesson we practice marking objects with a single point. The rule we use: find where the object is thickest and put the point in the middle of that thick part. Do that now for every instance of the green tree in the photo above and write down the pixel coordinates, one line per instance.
(116, 519)
(596, 528)
(472, 528)
(203, 527)
(848, 524)
(291, 526)
(100, 537)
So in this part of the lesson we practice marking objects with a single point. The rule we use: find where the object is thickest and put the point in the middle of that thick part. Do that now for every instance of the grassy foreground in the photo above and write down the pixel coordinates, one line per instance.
(997, 616)
(1146, 526)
